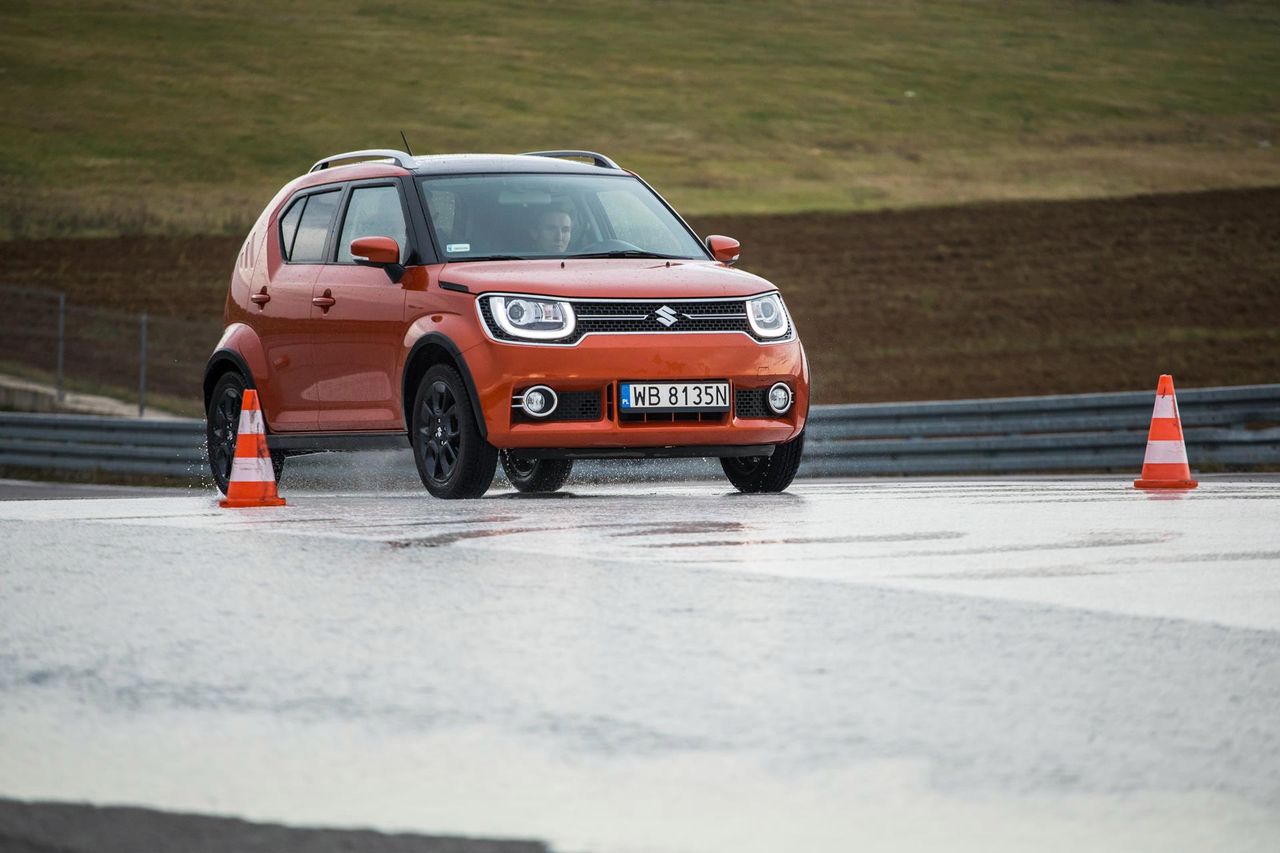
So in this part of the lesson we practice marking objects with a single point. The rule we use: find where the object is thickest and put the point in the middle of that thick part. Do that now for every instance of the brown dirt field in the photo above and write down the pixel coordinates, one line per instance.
(975, 301)
(1028, 298)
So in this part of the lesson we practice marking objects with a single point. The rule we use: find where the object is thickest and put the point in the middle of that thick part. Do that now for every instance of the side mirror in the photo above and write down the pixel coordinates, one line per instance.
(378, 252)
(724, 249)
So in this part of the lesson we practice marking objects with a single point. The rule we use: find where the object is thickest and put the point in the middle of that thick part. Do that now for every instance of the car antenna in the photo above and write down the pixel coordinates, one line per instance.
(407, 149)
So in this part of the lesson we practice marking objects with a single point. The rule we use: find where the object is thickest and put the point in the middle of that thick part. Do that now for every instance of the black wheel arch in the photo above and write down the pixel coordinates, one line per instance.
(431, 349)
(221, 362)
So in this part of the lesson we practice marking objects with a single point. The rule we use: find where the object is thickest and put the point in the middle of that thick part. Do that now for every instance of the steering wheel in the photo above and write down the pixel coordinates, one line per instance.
(609, 246)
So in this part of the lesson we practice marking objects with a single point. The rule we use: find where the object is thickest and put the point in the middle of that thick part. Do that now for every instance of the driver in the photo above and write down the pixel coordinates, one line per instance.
(552, 231)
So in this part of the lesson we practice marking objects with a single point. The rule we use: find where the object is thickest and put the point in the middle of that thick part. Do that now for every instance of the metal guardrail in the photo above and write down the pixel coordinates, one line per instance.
(1235, 427)
(171, 447)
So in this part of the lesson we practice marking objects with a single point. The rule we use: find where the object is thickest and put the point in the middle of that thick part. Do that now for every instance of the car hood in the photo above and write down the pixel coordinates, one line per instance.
(606, 278)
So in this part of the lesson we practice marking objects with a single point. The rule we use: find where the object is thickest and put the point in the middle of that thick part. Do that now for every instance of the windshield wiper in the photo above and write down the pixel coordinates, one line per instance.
(630, 253)
(490, 258)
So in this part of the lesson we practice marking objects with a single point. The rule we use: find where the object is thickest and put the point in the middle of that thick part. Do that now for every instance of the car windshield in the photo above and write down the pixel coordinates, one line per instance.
(518, 216)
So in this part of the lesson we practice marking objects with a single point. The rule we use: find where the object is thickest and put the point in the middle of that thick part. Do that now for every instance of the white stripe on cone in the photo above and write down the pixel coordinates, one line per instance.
(1165, 408)
(251, 422)
(1166, 451)
(248, 469)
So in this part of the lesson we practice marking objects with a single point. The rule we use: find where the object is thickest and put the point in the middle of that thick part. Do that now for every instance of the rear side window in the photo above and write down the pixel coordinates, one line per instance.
(372, 212)
(313, 228)
(289, 227)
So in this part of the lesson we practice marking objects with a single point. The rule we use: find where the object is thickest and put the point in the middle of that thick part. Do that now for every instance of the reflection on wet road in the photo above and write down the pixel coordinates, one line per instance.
(899, 665)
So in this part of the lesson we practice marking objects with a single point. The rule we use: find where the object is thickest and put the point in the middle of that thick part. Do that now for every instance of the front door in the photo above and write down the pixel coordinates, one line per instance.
(360, 336)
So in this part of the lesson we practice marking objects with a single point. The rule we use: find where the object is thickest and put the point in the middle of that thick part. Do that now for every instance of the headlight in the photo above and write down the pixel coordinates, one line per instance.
(535, 319)
(767, 317)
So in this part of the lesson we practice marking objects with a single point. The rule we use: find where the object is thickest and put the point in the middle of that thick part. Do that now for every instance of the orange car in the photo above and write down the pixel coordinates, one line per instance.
(536, 309)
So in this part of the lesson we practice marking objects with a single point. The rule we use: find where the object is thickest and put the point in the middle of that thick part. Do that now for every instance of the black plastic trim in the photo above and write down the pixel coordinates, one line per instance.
(444, 341)
(221, 356)
(699, 450)
(425, 247)
(297, 443)
(456, 288)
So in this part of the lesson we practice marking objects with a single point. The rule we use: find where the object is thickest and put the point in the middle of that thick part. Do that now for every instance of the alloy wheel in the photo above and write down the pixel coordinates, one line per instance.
(223, 425)
(440, 432)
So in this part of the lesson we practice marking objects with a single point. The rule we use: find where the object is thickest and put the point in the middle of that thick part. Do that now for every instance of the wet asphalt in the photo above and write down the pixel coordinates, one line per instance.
(656, 666)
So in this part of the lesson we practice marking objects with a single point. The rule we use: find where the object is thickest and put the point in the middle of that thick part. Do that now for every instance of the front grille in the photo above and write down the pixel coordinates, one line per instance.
(578, 406)
(572, 406)
(626, 418)
(641, 317)
(751, 403)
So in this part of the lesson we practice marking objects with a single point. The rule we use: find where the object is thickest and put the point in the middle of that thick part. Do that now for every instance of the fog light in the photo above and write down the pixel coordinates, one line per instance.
(539, 401)
(780, 398)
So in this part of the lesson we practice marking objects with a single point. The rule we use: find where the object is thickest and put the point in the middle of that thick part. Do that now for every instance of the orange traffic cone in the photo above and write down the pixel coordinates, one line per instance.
(1165, 466)
(253, 480)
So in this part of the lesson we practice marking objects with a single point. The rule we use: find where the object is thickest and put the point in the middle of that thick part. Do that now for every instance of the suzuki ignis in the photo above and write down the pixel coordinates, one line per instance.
(533, 309)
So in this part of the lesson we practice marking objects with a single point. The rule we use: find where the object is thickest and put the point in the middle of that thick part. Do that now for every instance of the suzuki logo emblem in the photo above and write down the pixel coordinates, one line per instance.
(666, 316)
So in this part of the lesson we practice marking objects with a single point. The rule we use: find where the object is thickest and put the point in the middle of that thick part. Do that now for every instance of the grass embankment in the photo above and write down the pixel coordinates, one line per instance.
(977, 301)
(134, 117)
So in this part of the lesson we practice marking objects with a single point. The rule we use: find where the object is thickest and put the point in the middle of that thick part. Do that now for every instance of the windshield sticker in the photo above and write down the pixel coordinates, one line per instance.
(458, 247)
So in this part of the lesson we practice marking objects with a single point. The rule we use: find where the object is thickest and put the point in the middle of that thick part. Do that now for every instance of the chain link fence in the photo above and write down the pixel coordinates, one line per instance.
(159, 361)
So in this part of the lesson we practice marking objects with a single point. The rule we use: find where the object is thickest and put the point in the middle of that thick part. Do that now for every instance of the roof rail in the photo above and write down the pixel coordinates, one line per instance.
(600, 160)
(401, 159)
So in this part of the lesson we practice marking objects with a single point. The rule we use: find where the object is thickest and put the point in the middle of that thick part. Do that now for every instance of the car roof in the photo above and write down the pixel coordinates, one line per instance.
(446, 164)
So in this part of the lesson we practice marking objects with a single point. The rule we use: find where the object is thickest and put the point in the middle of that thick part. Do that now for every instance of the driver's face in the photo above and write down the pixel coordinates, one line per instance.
(552, 232)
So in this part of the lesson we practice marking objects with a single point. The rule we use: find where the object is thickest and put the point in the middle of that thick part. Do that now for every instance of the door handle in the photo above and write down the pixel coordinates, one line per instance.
(260, 299)
(324, 302)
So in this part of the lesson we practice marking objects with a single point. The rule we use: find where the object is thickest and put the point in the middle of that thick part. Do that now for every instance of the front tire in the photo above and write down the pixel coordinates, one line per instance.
(453, 458)
(535, 475)
(222, 422)
(773, 473)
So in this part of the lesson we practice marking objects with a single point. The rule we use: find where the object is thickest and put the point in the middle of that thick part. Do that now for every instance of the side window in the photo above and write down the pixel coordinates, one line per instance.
(289, 227)
(308, 245)
(372, 212)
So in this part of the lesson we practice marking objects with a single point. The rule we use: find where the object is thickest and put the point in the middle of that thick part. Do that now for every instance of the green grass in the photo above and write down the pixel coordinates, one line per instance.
(124, 117)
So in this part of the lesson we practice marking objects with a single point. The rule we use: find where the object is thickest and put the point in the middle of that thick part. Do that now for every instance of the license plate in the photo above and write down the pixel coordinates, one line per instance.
(673, 396)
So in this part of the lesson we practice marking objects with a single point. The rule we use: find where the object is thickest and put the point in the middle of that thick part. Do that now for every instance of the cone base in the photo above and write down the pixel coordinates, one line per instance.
(1165, 484)
(244, 503)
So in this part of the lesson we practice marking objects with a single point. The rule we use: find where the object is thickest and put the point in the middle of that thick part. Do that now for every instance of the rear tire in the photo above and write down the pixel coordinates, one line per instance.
(773, 473)
(535, 475)
(453, 458)
(222, 422)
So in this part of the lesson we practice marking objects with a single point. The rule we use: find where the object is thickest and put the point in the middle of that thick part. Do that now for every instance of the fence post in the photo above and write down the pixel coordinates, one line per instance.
(62, 338)
(142, 364)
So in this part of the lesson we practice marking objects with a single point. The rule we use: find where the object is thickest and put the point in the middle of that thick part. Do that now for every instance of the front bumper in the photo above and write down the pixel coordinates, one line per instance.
(599, 363)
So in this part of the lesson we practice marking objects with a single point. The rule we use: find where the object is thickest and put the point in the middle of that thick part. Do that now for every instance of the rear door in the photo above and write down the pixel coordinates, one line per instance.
(360, 337)
(284, 313)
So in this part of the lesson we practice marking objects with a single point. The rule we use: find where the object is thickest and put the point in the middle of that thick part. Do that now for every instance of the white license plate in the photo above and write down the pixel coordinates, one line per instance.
(673, 397)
